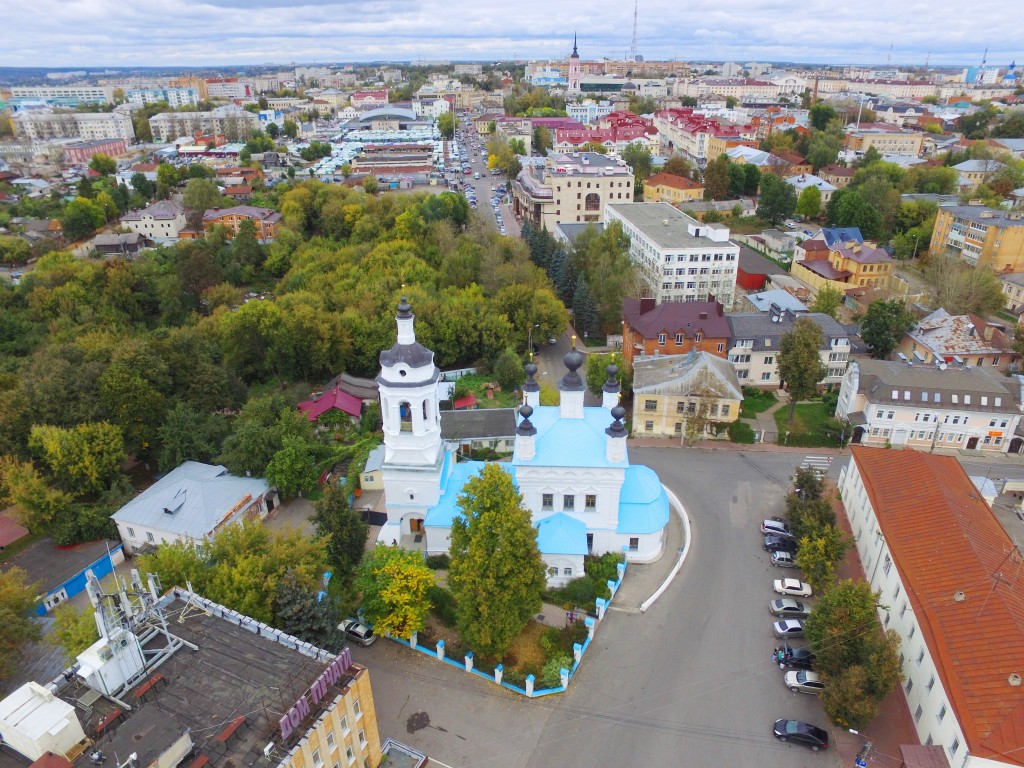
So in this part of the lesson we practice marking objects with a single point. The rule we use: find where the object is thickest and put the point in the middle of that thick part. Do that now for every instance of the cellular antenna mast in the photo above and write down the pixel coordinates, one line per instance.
(632, 48)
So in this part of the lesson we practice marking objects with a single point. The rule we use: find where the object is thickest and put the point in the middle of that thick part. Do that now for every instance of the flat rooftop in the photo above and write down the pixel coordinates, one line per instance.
(665, 225)
(236, 673)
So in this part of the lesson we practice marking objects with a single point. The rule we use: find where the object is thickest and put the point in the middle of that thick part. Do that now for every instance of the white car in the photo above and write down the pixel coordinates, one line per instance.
(793, 587)
(804, 681)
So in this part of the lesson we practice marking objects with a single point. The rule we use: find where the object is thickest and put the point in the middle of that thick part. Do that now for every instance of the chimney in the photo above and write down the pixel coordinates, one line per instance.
(526, 448)
(571, 387)
(616, 448)
(531, 389)
(611, 390)
(988, 332)
(703, 315)
(646, 305)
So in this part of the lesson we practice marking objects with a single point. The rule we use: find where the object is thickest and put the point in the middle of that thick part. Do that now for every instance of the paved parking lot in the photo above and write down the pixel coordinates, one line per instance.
(690, 682)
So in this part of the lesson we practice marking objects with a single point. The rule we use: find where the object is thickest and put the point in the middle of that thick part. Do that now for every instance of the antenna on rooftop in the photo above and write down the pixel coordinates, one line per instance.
(632, 49)
(888, 59)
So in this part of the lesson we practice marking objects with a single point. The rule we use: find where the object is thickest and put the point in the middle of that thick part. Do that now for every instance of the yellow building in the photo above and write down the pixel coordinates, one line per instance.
(887, 139)
(983, 237)
(848, 265)
(669, 188)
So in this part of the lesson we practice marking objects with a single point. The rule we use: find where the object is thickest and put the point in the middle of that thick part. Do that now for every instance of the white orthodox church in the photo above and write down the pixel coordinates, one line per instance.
(570, 465)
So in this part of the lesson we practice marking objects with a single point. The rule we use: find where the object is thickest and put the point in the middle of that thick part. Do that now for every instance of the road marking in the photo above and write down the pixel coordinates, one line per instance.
(817, 462)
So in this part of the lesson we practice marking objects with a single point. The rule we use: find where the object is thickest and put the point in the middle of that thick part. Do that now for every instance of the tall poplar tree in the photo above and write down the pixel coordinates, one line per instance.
(799, 362)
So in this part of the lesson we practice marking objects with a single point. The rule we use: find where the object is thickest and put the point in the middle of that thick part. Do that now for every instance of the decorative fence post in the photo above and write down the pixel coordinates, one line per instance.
(601, 605)
(498, 672)
(469, 661)
(621, 568)
(612, 586)
(529, 684)
(589, 623)
(565, 677)
(412, 639)
(577, 652)
(440, 650)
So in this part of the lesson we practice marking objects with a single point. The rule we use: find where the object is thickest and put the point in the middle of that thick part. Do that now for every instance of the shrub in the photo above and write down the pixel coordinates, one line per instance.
(444, 604)
(438, 562)
(577, 592)
(551, 673)
(741, 432)
(602, 569)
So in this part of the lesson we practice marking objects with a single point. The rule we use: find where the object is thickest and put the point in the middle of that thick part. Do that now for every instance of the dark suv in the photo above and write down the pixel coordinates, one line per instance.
(798, 658)
(774, 543)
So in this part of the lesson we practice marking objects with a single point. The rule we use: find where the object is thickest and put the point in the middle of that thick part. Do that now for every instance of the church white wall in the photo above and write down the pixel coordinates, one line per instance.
(604, 483)
(563, 568)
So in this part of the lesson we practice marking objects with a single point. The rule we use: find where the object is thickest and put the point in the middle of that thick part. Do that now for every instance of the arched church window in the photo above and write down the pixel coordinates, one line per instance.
(405, 416)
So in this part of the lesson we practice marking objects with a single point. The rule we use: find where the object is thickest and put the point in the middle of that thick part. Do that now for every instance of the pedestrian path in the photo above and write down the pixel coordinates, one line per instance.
(816, 462)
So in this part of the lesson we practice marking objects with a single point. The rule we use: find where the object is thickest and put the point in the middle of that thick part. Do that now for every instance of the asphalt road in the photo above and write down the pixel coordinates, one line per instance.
(482, 186)
(688, 683)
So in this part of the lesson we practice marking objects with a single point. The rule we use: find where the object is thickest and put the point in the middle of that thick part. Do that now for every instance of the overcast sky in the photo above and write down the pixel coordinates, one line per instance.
(93, 33)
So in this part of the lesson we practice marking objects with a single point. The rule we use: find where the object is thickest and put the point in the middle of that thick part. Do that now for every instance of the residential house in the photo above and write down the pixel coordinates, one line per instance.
(230, 120)
(81, 152)
(983, 237)
(744, 206)
(119, 244)
(267, 221)
(241, 193)
(190, 503)
(958, 340)
(571, 188)
(686, 397)
(672, 328)
(839, 176)
(1013, 287)
(755, 339)
(679, 258)
(570, 464)
(672, 189)
(46, 125)
(895, 402)
(332, 400)
(805, 180)
(974, 173)
(960, 629)
(160, 222)
(847, 265)
(479, 429)
(887, 139)
(369, 99)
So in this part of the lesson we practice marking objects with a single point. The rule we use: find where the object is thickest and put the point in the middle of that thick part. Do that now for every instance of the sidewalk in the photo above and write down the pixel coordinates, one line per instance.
(642, 579)
(764, 422)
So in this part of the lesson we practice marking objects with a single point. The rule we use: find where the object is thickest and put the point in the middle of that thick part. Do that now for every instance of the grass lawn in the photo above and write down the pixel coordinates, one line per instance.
(755, 402)
(477, 384)
(812, 426)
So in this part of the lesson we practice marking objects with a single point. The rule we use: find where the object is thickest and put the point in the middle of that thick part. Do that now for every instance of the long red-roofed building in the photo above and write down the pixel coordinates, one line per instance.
(951, 584)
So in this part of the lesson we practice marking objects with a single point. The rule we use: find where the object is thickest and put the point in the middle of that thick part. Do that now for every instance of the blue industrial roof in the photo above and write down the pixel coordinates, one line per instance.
(570, 442)
(561, 534)
(643, 503)
(447, 508)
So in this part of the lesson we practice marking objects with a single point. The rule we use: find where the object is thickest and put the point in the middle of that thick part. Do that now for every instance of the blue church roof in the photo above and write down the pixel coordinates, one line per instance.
(444, 512)
(570, 442)
(643, 503)
(562, 534)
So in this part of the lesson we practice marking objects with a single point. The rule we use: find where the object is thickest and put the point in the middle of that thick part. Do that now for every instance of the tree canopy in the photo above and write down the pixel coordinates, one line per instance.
(799, 361)
(883, 326)
(393, 583)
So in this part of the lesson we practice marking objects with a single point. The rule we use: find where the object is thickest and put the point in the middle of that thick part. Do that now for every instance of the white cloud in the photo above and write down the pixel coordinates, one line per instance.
(93, 33)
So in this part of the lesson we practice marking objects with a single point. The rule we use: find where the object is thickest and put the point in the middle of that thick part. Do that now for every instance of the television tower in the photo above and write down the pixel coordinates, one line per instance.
(632, 48)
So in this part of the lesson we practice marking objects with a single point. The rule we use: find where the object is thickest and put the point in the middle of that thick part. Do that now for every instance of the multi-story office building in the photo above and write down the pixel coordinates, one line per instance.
(231, 121)
(679, 258)
(571, 188)
(983, 237)
(175, 97)
(925, 407)
(66, 94)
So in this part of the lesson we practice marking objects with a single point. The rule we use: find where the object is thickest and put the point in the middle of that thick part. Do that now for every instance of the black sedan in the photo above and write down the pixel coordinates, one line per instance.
(774, 543)
(808, 735)
(798, 658)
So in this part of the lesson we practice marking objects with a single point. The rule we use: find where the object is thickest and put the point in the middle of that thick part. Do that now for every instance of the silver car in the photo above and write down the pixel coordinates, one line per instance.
(804, 681)
(357, 632)
(788, 608)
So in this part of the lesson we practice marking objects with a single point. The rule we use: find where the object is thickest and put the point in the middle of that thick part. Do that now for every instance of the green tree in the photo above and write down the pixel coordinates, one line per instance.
(167, 175)
(508, 370)
(496, 574)
(847, 208)
(777, 199)
(827, 301)
(142, 185)
(301, 612)
(143, 131)
(819, 556)
(18, 627)
(809, 203)
(291, 129)
(799, 361)
(883, 326)
(842, 625)
(84, 459)
(293, 469)
(186, 435)
(104, 165)
(961, 289)
(342, 528)
(446, 125)
(14, 250)
(677, 165)
(81, 218)
(846, 699)
(597, 373)
(541, 140)
(201, 195)
(638, 157)
(394, 583)
(821, 115)
(716, 179)
(73, 630)
(37, 504)
(273, 130)
(594, 146)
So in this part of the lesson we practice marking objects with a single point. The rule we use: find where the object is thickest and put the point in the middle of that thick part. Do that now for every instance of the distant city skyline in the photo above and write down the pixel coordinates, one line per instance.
(173, 33)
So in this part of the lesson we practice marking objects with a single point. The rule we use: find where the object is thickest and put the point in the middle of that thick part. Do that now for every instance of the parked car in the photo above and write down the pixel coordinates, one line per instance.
(357, 632)
(788, 628)
(804, 681)
(801, 733)
(779, 544)
(776, 526)
(798, 658)
(792, 587)
(783, 560)
(787, 607)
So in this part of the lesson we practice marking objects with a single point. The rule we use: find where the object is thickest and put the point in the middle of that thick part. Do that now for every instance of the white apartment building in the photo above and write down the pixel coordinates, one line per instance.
(234, 122)
(45, 125)
(68, 94)
(756, 338)
(589, 111)
(229, 89)
(571, 188)
(161, 222)
(950, 581)
(926, 407)
(680, 258)
(175, 97)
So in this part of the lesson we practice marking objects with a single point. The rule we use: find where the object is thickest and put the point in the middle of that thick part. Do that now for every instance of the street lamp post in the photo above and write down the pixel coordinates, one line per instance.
(529, 340)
